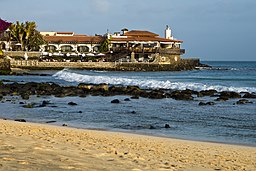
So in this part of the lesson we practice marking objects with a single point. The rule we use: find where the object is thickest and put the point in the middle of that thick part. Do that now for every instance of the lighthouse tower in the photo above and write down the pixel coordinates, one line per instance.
(168, 33)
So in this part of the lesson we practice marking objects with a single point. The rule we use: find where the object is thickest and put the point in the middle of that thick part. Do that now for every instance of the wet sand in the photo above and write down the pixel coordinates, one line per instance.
(30, 146)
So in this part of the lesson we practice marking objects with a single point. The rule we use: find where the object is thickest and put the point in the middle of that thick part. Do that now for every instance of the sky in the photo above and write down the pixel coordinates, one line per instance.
(212, 30)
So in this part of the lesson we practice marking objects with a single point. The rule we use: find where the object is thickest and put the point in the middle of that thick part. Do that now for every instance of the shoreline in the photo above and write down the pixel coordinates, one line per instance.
(129, 132)
(33, 146)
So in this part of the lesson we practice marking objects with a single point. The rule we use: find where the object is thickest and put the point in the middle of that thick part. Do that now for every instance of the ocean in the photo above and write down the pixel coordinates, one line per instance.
(224, 122)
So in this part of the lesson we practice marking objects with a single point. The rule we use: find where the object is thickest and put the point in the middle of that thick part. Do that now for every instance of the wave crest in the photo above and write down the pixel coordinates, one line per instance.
(145, 83)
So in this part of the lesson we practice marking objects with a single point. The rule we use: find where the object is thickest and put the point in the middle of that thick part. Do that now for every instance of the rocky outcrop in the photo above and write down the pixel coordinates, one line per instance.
(25, 90)
(182, 95)
(5, 67)
(243, 101)
(249, 95)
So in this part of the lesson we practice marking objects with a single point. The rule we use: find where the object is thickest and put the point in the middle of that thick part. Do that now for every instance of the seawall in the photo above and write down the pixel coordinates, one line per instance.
(184, 64)
(22, 53)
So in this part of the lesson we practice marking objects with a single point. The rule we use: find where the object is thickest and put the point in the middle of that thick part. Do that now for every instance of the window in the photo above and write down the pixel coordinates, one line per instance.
(83, 49)
(66, 48)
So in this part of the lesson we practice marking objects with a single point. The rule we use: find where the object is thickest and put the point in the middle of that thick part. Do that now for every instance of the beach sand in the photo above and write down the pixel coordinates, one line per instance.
(30, 146)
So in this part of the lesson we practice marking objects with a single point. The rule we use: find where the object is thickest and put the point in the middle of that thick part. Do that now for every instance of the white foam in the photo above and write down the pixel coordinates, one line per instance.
(145, 83)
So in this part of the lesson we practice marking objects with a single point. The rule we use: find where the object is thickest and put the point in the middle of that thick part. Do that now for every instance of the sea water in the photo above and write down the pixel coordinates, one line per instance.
(223, 122)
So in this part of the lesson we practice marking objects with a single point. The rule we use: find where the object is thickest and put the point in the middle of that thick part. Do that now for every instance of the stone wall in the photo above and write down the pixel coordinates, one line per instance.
(21, 54)
(187, 64)
(35, 64)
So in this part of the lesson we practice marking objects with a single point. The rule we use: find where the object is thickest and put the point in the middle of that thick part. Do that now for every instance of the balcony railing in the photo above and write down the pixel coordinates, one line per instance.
(174, 51)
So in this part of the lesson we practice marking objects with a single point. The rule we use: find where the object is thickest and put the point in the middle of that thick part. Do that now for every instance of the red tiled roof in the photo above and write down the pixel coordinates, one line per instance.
(80, 35)
(140, 33)
(65, 32)
(78, 39)
(144, 39)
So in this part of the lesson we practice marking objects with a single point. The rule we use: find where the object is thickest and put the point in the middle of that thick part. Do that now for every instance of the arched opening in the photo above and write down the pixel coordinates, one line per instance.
(66, 48)
(96, 48)
(2, 46)
(50, 48)
(82, 49)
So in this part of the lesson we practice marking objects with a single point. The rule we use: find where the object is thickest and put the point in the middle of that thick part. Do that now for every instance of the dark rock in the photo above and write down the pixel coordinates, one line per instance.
(249, 95)
(21, 103)
(230, 94)
(85, 86)
(152, 127)
(117, 90)
(20, 120)
(50, 121)
(64, 125)
(25, 96)
(44, 103)
(80, 112)
(187, 91)
(72, 103)
(43, 75)
(132, 88)
(135, 97)
(243, 101)
(133, 112)
(70, 91)
(182, 95)
(59, 95)
(202, 104)
(208, 103)
(167, 126)
(82, 95)
(206, 93)
(127, 99)
(156, 94)
(28, 105)
(5, 66)
(115, 101)
(100, 88)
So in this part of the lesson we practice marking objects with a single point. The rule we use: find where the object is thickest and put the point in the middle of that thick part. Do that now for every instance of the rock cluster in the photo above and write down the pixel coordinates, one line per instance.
(25, 90)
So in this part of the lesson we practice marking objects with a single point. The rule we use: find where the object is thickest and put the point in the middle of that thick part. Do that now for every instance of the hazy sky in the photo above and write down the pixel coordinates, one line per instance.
(210, 29)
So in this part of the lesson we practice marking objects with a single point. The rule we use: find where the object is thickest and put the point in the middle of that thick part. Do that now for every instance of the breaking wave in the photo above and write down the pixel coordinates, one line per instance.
(145, 83)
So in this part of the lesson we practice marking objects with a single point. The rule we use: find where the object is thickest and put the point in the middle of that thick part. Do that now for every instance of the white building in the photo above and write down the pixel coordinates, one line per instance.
(70, 42)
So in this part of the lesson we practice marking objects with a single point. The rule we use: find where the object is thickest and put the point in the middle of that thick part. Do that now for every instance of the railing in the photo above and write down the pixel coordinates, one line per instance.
(175, 51)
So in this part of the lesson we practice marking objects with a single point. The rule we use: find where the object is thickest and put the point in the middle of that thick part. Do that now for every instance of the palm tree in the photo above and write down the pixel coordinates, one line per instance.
(29, 29)
(26, 34)
(16, 32)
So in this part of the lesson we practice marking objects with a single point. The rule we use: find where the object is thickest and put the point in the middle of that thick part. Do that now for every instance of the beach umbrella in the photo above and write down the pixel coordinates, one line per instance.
(74, 54)
(45, 53)
(90, 54)
(101, 54)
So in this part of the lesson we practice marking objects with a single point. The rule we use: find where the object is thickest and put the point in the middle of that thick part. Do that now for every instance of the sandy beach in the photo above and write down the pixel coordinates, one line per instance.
(30, 146)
